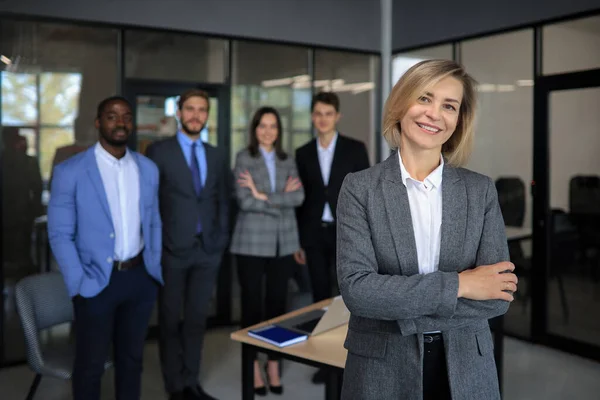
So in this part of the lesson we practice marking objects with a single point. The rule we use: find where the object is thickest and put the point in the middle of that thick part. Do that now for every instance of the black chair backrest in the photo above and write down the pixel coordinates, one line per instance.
(511, 196)
(584, 194)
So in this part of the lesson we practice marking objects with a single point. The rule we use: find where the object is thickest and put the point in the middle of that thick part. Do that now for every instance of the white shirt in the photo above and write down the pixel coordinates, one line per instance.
(121, 181)
(325, 160)
(425, 200)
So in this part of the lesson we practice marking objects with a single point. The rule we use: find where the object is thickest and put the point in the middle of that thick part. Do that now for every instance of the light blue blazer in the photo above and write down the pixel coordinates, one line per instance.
(80, 227)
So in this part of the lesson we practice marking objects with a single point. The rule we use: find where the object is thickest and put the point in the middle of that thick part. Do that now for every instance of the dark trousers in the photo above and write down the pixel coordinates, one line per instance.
(251, 271)
(187, 291)
(435, 372)
(321, 263)
(119, 314)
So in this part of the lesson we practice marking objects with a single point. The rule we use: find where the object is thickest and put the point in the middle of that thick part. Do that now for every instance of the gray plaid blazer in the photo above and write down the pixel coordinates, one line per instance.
(263, 225)
(392, 305)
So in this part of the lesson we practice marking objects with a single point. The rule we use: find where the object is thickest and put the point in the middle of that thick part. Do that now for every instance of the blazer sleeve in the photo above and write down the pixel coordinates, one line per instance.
(288, 199)
(366, 292)
(156, 222)
(62, 227)
(302, 176)
(152, 154)
(493, 248)
(246, 201)
(224, 193)
(362, 160)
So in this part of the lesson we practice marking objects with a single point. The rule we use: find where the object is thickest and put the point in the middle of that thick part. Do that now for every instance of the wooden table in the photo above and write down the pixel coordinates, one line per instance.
(325, 350)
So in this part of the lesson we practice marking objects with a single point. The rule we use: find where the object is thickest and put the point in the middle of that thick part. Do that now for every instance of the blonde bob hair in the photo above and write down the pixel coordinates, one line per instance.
(413, 84)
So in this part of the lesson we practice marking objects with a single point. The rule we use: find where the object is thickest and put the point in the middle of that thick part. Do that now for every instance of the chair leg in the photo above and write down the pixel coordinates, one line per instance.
(563, 299)
(34, 386)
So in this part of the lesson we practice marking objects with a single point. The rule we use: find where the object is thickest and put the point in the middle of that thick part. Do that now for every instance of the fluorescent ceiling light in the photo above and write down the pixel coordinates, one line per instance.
(486, 87)
(505, 88)
(525, 82)
(327, 85)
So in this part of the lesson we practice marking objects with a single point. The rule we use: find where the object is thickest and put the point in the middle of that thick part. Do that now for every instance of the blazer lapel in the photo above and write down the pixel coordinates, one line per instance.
(210, 164)
(180, 164)
(399, 218)
(314, 155)
(454, 218)
(94, 174)
(144, 183)
(338, 154)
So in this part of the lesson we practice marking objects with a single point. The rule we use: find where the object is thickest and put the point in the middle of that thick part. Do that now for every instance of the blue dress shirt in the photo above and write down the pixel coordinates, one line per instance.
(186, 145)
(270, 163)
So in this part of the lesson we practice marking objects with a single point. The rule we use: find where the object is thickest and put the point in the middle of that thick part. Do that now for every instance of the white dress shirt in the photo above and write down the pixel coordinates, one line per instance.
(325, 161)
(121, 181)
(425, 200)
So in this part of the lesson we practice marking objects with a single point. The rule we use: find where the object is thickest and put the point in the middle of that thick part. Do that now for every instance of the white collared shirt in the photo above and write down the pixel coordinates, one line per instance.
(121, 181)
(425, 200)
(325, 160)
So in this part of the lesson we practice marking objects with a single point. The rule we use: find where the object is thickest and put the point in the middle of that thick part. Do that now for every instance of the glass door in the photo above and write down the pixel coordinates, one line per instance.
(567, 213)
(155, 107)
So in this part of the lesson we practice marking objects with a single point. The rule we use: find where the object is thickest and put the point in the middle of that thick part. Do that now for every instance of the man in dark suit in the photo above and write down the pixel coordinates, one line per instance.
(323, 163)
(194, 202)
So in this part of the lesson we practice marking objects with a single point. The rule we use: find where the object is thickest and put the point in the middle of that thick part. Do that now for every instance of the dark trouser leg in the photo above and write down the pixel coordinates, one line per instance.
(131, 326)
(435, 374)
(171, 298)
(250, 276)
(320, 276)
(278, 273)
(199, 289)
(94, 331)
(321, 264)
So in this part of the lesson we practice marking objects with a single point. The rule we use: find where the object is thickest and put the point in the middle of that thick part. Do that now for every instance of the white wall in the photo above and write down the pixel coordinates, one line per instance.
(571, 46)
(574, 140)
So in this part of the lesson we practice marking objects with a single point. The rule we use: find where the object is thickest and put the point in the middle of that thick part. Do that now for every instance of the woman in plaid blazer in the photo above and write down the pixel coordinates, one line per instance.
(266, 235)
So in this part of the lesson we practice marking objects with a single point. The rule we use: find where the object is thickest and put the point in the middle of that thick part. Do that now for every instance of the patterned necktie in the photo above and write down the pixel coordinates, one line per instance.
(196, 178)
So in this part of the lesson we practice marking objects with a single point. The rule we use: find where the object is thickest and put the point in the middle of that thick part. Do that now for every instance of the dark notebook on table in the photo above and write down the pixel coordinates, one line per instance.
(277, 335)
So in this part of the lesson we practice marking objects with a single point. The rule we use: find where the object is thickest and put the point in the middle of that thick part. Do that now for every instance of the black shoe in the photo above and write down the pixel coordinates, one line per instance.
(276, 389)
(260, 391)
(177, 396)
(320, 376)
(197, 393)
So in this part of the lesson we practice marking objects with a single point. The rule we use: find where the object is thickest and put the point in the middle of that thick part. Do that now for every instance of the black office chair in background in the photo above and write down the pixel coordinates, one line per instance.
(511, 196)
(584, 206)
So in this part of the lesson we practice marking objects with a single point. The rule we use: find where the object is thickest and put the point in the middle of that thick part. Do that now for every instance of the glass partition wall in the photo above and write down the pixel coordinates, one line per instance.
(536, 137)
(53, 75)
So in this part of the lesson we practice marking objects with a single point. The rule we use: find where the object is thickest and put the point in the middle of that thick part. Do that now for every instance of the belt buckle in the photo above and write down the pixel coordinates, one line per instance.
(119, 265)
(428, 338)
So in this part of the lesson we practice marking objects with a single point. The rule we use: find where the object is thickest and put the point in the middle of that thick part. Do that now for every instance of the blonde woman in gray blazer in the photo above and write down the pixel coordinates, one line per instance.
(422, 253)
(266, 235)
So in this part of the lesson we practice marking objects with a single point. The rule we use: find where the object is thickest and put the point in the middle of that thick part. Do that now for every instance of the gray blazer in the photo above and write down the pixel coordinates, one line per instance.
(261, 226)
(392, 305)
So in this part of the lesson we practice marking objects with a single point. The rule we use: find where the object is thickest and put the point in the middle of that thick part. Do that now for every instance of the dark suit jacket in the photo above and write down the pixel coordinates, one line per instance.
(350, 155)
(180, 207)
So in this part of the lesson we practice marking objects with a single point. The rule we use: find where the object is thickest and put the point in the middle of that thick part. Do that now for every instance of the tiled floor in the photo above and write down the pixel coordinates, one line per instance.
(531, 373)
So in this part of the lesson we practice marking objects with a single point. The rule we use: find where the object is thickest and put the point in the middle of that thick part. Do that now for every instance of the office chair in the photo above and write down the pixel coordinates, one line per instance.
(43, 303)
(511, 197)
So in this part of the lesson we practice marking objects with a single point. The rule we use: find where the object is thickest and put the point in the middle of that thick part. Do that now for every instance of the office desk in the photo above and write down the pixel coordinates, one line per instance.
(325, 350)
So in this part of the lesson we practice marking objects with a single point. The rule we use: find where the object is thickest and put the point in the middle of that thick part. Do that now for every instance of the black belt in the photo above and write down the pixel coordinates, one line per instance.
(129, 264)
(432, 337)
(325, 224)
